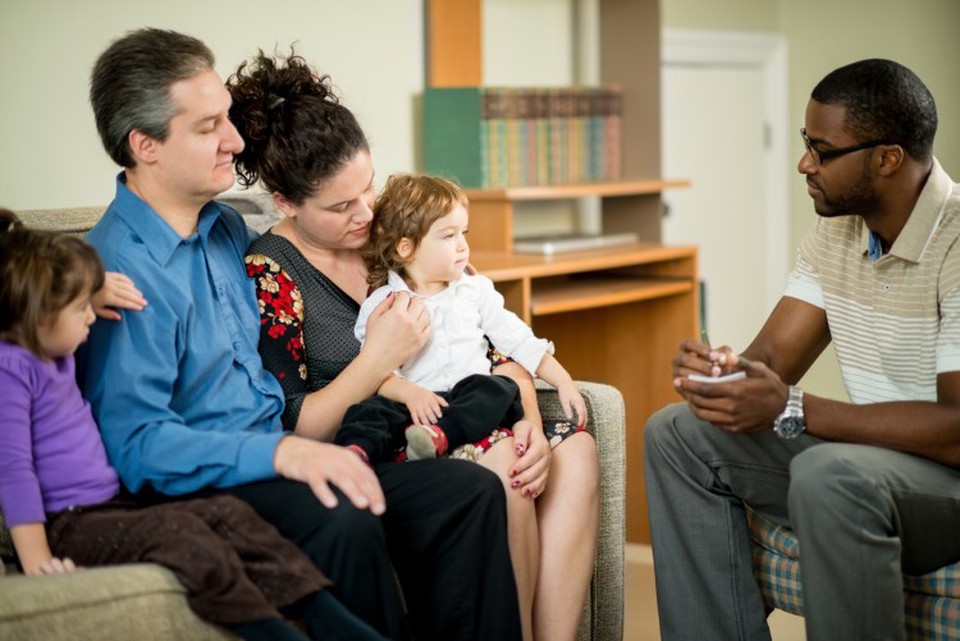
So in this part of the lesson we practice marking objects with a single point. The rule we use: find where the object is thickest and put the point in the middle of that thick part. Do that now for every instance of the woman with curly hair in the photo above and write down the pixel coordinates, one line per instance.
(310, 153)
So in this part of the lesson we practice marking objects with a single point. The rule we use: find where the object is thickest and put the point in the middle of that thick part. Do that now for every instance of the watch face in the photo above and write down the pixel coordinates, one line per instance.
(790, 427)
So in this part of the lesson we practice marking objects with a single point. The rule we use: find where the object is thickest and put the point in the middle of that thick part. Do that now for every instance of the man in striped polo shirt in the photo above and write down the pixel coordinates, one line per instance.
(871, 487)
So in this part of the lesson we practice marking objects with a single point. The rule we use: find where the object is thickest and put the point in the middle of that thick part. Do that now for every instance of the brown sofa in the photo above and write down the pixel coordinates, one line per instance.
(146, 602)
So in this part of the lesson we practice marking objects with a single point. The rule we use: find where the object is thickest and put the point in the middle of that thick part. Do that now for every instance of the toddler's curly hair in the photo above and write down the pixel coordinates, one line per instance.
(406, 208)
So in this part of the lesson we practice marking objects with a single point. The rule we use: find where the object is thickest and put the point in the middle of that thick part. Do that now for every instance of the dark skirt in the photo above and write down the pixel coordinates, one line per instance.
(235, 566)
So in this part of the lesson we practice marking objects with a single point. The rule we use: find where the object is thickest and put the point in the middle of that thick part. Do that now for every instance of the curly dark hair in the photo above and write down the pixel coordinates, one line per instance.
(40, 273)
(297, 133)
(884, 101)
(406, 208)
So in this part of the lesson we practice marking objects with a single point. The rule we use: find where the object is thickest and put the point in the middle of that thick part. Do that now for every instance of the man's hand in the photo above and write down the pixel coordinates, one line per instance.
(321, 464)
(695, 357)
(118, 291)
(747, 405)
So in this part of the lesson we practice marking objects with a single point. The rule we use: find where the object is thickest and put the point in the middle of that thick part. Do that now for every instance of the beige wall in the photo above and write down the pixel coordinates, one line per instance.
(52, 157)
(374, 51)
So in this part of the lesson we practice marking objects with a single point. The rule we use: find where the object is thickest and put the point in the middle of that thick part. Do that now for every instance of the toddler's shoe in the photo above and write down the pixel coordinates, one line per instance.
(425, 442)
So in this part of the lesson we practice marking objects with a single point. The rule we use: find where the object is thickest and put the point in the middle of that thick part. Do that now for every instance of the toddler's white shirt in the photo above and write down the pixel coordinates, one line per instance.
(460, 316)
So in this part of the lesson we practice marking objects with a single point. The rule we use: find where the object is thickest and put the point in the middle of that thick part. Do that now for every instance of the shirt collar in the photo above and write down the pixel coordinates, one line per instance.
(397, 283)
(923, 220)
(148, 224)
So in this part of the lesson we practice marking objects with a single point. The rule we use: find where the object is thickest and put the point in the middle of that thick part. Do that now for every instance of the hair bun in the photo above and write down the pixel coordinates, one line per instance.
(9, 220)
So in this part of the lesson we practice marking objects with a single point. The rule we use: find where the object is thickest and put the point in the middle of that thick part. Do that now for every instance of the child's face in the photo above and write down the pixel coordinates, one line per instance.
(443, 252)
(68, 329)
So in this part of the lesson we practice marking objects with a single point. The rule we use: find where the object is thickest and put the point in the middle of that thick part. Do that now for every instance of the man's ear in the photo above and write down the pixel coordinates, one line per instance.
(143, 147)
(891, 158)
(283, 203)
(405, 248)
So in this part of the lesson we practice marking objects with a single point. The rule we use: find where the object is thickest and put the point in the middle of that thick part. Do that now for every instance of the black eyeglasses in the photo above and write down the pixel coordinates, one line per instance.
(821, 156)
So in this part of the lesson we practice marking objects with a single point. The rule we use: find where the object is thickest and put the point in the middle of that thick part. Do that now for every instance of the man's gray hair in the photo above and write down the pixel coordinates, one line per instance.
(131, 81)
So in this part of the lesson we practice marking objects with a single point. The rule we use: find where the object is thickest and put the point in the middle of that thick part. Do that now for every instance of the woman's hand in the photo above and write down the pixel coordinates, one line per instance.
(529, 474)
(397, 329)
(118, 291)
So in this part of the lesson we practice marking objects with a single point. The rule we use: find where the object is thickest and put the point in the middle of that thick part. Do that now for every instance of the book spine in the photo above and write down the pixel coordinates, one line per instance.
(453, 134)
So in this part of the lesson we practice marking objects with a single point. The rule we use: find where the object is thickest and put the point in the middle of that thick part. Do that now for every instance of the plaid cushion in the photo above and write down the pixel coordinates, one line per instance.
(931, 601)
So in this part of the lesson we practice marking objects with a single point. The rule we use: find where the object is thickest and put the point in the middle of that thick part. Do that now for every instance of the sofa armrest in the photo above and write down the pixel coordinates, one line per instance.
(603, 613)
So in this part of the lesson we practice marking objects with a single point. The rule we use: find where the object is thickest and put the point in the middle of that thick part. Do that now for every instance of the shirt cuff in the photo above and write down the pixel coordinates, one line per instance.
(255, 457)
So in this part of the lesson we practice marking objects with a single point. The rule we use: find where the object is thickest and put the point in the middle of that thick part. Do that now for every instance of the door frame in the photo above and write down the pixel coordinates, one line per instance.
(710, 48)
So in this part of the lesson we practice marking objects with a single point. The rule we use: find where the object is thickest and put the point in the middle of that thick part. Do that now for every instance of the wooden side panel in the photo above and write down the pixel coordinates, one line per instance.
(454, 43)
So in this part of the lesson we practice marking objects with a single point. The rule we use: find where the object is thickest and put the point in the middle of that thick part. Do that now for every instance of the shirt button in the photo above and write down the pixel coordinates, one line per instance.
(236, 346)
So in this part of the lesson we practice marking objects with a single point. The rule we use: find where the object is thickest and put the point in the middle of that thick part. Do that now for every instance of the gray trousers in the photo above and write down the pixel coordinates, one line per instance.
(863, 515)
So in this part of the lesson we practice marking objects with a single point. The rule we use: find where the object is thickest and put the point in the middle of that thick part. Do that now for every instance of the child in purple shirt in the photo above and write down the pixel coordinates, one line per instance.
(62, 500)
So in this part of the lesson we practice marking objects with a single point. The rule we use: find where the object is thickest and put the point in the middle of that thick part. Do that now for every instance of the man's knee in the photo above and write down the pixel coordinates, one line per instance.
(662, 428)
(830, 473)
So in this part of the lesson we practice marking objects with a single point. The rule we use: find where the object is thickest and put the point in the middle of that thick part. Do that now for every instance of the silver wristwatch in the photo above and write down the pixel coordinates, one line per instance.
(790, 423)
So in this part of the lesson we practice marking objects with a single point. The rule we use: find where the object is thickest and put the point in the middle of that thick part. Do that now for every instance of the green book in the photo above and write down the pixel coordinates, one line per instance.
(455, 142)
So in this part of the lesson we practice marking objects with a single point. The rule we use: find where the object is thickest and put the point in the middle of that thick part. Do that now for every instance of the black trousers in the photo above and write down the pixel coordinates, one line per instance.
(477, 405)
(445, 531)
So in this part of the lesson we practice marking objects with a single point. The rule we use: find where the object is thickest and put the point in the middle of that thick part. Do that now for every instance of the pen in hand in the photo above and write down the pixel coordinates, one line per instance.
(715, 369)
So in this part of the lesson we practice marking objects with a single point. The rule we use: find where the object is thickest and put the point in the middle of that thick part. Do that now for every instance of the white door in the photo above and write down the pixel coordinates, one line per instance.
(713, 134)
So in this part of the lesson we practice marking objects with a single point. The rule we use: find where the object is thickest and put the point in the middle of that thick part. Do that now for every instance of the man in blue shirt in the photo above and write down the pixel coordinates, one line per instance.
(183, 402)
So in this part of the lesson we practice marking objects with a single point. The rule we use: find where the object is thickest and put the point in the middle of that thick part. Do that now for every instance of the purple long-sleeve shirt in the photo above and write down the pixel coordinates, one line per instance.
(51, 455)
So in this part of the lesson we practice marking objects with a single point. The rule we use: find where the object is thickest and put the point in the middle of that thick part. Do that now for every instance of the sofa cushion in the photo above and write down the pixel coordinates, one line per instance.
(140, 601)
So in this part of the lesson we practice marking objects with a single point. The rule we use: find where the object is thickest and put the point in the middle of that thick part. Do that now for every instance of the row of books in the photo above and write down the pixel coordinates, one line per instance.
(510, 137)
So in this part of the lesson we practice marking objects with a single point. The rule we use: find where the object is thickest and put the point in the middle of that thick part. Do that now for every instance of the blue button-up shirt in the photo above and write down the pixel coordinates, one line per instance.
(178, 389)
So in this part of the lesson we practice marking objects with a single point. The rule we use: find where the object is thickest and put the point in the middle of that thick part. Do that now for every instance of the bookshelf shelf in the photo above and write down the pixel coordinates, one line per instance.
(589, 293)
(617, 314)
(558, 192)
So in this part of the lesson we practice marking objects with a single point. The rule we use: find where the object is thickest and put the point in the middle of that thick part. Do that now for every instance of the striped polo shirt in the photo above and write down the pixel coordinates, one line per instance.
(894, 321)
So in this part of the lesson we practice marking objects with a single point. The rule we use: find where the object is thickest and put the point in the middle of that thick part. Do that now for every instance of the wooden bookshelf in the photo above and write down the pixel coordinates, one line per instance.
(616, 315)
(556, 192)
(492, 211)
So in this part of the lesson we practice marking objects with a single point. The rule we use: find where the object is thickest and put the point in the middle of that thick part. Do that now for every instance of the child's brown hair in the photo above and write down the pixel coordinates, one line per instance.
(40, 273)
(406, 208)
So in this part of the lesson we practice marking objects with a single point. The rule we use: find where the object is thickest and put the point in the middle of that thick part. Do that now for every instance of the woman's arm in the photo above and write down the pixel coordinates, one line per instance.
(33, 549)
(396, 329)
